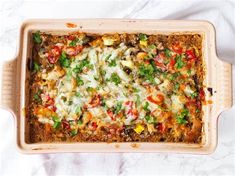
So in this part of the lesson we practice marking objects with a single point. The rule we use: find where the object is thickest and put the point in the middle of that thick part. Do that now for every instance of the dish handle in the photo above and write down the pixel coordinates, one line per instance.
(224, 85)
(8, 85)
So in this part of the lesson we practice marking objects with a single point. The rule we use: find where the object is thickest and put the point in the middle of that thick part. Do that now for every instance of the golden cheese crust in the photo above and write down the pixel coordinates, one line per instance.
(116, 88)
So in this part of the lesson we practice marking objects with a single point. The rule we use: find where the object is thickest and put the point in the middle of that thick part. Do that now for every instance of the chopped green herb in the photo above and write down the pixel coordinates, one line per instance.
(74, 132)
(167, 53)
(37, 37)
(194, 94)
(80, 82)
(147, 71)
(179, 62)
(189, 72)
(36, 66)
(143, 37)
(89, 89)
(37, 97)
(108, 57)
(80, 122)
(81, 65)
(74, 42)
(57, 122)
(113, 63)
(176, 86)
(78, 110)
(181, 117)
(64, 61)
(56, 125)
(146, 105)
(118, 107)
(197, 110)
(78, 94)
(150, 119)
(56, 119)
(135, 89)
(115, 78)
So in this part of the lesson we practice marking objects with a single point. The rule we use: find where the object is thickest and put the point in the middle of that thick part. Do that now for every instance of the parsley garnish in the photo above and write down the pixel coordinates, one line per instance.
(37, 37)
(143, 37)
(179, 62)
(181, 117)
(64, 61)
(115, 78)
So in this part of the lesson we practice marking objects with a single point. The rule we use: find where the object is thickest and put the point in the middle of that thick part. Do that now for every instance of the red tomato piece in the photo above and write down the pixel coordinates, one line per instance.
(202, 94)
(95, 101)
(54, 54)
(94, 125)
(171, 63)
(191, 55)
(156, 99)
(177, 48)
(161, 127)
(73, 51)
(65, 124)
(110, 114)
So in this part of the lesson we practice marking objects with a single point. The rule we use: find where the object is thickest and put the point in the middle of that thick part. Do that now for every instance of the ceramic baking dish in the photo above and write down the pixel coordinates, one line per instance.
(15, 79)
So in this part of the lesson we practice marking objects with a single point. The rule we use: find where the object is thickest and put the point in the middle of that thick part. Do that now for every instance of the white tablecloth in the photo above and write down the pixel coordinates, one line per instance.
(222, 162)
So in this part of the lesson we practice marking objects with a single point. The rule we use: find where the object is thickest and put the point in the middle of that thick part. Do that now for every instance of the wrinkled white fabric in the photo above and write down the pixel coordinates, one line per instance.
(222, 162)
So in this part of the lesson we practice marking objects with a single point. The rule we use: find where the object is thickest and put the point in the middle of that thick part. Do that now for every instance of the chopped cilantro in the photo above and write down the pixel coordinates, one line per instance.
(78, 94)
(74, 132)
(146, 105)
(143, 37)
(176, 86)
(167, 53)
(115, 78)
(57, 122)
(118, 107)
(194, 94)
(78, 110)
(80, 82)
(147, 71)
(181, 117)
(81, 65)
(36, 66)
(74, 42)
(150, 119)
(112, 63)
(179, 62)
(108, 57)
(37, 37)
(64, 61)
(80, 122)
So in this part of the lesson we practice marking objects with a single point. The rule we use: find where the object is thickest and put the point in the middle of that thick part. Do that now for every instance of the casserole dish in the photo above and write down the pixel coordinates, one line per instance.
(15, 84)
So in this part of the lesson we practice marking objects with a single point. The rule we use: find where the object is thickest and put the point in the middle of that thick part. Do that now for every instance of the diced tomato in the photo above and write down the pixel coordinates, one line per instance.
(94, 125)
(71, 37)
(159, 64)
(110, 114)
(161, 127)
(65, 124)
(190, 55)
(171, 64)
(73, 51)
(158, 60)
(177, 48)
(54, 54)
(95, 101)
(156, 99)
(202, 94)
(134, 113)
(129, 103)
